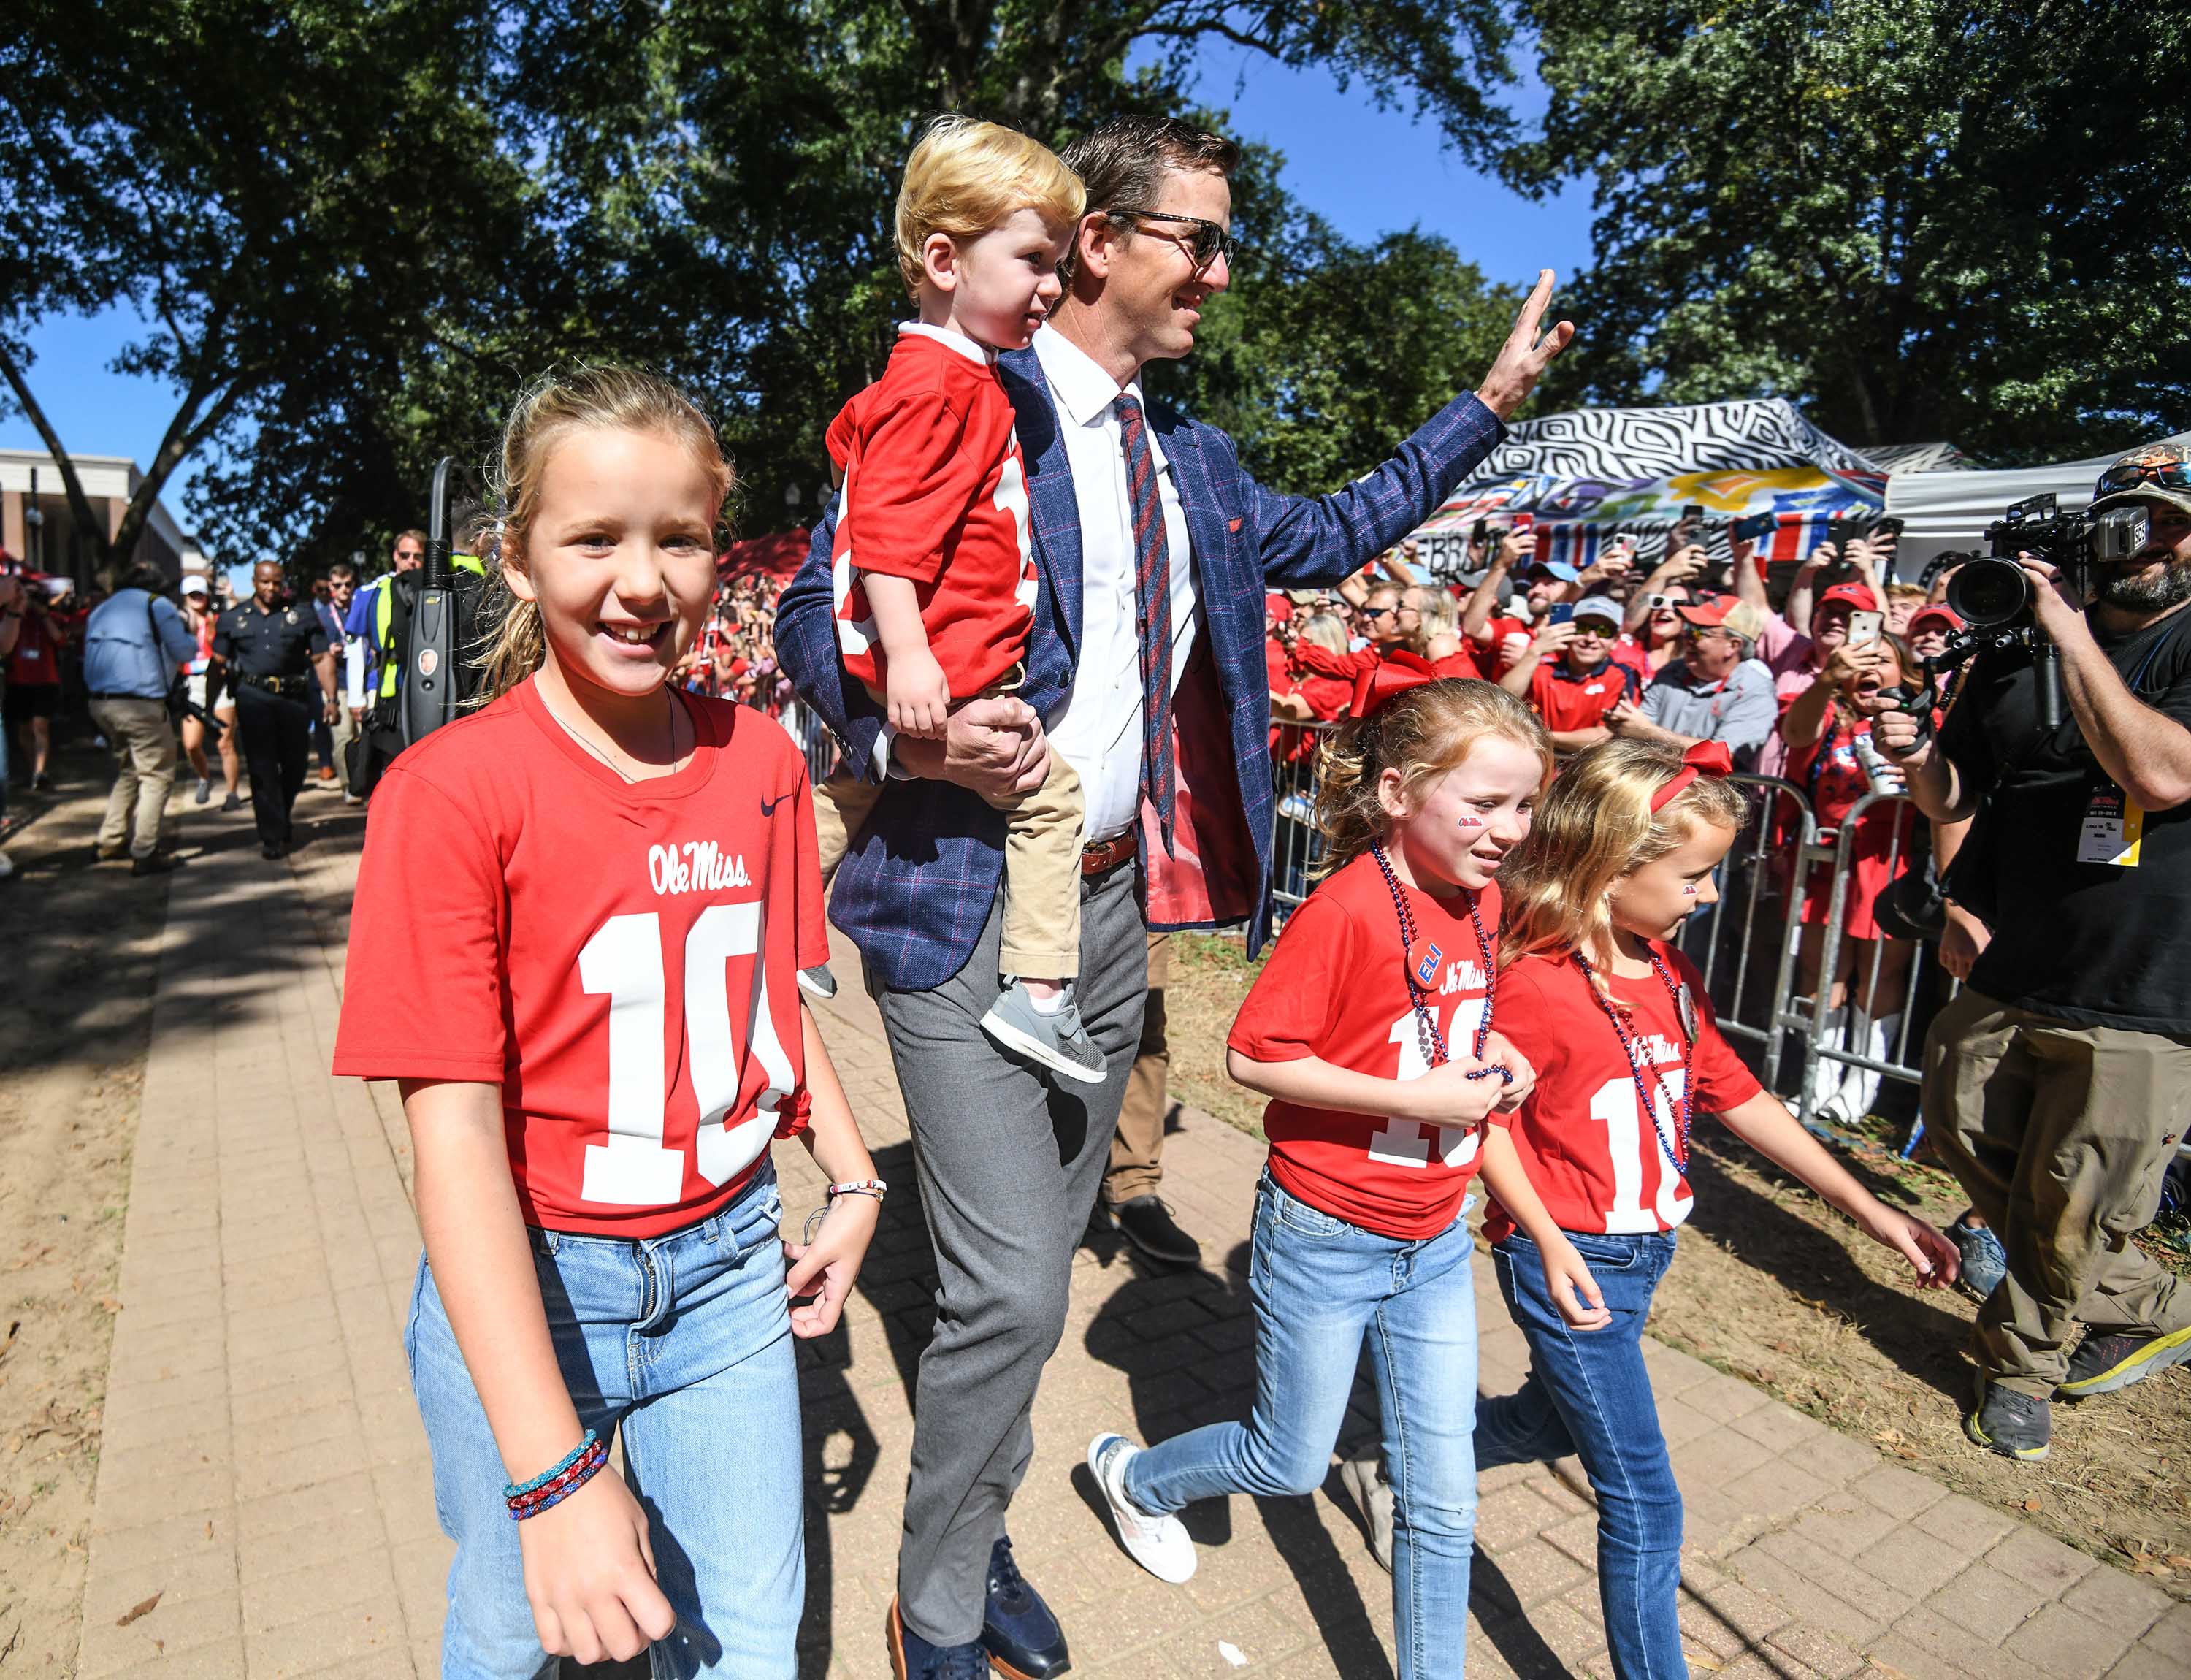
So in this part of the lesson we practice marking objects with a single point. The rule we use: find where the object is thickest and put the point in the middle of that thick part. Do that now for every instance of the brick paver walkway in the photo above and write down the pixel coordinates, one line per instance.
(264, 1476)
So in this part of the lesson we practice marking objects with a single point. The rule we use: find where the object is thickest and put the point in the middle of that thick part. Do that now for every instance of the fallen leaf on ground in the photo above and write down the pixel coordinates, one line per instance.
(137, 1610)
(2031, 1504)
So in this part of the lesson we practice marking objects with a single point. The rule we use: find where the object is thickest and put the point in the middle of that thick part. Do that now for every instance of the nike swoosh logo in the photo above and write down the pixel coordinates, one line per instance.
(768, 806)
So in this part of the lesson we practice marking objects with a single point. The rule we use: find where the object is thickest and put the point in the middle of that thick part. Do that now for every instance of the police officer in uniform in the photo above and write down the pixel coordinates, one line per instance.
(278, 663)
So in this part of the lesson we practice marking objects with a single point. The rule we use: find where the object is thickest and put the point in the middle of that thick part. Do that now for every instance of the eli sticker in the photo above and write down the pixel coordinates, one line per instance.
(2111, 831)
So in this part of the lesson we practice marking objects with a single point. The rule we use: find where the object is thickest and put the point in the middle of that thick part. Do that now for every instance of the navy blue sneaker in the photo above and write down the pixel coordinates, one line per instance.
(912, 1658)
(1022, 1636)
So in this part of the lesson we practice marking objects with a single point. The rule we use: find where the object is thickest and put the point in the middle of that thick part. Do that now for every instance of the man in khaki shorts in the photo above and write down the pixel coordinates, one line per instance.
(2058, 1084)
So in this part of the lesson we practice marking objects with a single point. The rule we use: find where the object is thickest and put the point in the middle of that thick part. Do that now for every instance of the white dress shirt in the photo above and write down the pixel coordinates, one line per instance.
(1099, 728)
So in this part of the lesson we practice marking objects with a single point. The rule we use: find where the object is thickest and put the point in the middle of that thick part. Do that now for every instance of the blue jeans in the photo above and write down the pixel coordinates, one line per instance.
(684, 1343)
(1319, 1284)
(1588, 1393)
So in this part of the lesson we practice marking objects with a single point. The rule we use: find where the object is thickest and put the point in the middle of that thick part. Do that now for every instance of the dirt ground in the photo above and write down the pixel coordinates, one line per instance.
(78, 951)
(1777, 1288)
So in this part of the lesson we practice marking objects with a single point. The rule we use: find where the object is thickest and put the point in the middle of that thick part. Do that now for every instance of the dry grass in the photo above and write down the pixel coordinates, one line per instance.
(1775, 1287)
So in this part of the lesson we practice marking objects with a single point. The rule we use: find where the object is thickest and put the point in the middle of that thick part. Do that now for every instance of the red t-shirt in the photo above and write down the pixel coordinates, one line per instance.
(35, 662)
(1460, 662)
(1494, 657)
(934, 491)
(621, 958)
(1335, 987)
(1590, 1150)
(1567, 702)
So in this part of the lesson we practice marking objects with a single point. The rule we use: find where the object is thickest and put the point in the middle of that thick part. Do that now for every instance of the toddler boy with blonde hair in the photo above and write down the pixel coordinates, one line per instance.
(933, 567)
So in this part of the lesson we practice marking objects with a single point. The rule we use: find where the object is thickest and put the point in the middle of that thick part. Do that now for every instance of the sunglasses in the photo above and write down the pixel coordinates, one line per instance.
(1665, 603)
(1206, 244)
(1380, 612)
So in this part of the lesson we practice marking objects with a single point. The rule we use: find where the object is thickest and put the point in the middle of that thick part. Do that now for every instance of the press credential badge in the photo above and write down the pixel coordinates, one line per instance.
(2113, 829)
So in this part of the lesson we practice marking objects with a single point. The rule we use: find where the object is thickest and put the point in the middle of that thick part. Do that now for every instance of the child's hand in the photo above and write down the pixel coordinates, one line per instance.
(1929, 1254)
(1499, 1051)
(1573, 1290)
(826, 1267)
(919, 697)
(1447, 1096)
(589, 1574)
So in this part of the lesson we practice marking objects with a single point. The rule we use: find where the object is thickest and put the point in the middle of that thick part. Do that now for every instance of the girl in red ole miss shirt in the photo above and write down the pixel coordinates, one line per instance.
(1615, 1023)
(1370, 1029)
(578, 924)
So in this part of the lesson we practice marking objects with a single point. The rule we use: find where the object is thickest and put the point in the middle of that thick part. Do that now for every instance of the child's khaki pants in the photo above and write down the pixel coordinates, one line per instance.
(1042, 864)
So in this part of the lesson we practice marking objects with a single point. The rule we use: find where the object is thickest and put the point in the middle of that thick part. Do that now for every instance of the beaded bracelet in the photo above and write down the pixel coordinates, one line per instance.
(556, 1483)
(863, 1186)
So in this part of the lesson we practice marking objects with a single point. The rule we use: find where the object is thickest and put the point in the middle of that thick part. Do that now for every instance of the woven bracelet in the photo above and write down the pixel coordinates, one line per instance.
(519, 1489)
(574, 1477)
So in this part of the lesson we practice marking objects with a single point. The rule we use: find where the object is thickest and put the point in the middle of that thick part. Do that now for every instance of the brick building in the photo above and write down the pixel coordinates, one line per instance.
(54, 545)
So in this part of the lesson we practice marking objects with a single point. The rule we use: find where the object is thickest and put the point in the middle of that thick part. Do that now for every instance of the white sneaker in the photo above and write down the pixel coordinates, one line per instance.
(6, 866)
(1160, 1545)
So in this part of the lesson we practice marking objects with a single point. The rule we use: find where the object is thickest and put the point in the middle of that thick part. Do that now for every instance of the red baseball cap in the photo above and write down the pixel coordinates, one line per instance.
(1940, 610)
(1277, 607)
(1858, 595)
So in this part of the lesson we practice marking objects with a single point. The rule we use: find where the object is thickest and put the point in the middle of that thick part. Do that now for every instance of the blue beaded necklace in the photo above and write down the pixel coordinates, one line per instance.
(1640, 1064)
(1435, 1050)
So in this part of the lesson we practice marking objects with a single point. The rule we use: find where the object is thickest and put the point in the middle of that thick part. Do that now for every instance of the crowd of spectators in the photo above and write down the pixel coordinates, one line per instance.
(43, 689)
(1785, 667)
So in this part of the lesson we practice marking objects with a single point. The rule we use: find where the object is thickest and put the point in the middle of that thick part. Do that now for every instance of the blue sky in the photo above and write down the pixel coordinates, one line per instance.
(1368, 172)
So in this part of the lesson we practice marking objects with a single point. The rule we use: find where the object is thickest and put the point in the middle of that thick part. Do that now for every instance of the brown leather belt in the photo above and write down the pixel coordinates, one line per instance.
(1106, 855)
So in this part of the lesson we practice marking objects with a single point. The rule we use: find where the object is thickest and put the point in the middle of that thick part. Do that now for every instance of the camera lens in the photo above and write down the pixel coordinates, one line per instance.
(1988, 591)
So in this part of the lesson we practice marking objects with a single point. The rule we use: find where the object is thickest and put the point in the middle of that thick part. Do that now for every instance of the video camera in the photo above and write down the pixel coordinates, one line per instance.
(1992, 593)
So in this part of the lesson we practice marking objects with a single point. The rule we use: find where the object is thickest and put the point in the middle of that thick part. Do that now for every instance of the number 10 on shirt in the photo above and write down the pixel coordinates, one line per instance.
(1407, 1143)
(636, 1167)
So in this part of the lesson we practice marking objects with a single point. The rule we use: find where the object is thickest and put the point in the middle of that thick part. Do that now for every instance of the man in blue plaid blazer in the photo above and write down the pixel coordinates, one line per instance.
(1008, 1162)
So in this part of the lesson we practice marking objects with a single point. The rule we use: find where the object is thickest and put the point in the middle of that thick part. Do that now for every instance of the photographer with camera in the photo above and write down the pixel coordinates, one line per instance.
(2057, 1084)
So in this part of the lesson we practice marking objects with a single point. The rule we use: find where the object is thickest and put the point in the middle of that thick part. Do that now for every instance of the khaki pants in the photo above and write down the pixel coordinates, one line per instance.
(1136, 1167)
(143, 743)
(1042, 864)
(2059, 1134)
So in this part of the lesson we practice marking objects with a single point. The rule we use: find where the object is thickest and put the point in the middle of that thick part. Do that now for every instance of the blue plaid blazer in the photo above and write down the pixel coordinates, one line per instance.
(918, 886)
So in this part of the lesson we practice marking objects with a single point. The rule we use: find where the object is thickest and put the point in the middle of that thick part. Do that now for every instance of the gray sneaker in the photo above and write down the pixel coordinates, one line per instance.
(204, 792)
(1057, 1040)
(2103, 1364)
(817, 981)
(2013, 1424)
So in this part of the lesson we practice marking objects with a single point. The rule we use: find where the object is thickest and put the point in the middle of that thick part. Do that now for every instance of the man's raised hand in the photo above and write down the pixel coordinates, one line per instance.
(1525, 356)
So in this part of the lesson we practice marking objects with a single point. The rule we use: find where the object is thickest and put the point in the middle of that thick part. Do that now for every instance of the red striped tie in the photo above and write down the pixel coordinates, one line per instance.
(1151, 610)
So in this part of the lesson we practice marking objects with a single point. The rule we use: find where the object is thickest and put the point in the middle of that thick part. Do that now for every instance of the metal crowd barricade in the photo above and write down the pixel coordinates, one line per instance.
(1840, 850)
(815, 741)
(1748, 964)
(1295, 844)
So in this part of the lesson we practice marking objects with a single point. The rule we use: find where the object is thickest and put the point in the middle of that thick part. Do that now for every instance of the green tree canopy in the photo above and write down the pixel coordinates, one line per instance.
(723, 174)
(1922, 218)
(297, 198)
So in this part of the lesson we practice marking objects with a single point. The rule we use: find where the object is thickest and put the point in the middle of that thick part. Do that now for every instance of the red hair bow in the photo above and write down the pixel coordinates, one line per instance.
(1381, 680)
(1702, 758)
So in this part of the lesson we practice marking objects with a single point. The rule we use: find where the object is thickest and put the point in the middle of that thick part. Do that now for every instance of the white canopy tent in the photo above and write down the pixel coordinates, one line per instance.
(1952, 509)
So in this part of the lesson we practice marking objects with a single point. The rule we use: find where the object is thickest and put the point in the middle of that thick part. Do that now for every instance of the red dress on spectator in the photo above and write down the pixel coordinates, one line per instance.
(1830, 773)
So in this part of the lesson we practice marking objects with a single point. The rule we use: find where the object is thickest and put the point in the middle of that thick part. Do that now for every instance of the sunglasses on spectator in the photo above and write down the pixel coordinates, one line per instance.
(1207, 242)
(1380, 612)
(1665, 603)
